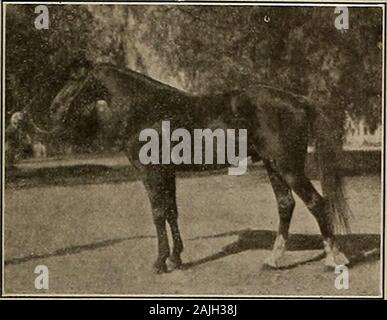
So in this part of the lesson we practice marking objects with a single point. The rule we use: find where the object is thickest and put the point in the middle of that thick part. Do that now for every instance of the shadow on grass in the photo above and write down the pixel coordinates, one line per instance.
(359, 248)
(84, 174)
(68, 176)
(73, 250)
(353, 163)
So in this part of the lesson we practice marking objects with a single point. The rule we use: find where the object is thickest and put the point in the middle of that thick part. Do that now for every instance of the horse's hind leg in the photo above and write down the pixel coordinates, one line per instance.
(286, 204)
(161, 187)
(317, 206)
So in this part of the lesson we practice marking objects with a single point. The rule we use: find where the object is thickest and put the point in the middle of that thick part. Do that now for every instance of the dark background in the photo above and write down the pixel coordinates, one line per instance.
(202, 49)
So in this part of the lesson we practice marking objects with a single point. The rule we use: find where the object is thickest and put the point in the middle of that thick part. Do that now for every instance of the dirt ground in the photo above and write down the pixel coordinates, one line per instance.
(99, 239)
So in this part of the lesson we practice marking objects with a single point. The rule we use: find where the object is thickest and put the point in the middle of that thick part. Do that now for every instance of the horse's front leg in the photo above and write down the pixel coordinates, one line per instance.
(172, 215)
(159, 193)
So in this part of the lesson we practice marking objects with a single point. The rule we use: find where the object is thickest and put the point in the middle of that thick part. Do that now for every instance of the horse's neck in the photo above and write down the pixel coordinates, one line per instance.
(138, 97)
(113, 82)
(126, 82)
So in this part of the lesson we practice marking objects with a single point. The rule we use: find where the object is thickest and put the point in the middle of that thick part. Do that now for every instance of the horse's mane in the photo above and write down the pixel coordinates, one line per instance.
(140, 77)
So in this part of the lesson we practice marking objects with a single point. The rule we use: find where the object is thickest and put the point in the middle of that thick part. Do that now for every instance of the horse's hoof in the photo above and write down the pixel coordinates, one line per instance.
(271, 263)
(335, 259)
(159, 268)
(174, 263)
(276, 255)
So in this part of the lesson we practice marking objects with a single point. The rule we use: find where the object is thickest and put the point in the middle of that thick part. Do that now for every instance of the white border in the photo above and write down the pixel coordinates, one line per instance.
(312, 3)
(213, 3)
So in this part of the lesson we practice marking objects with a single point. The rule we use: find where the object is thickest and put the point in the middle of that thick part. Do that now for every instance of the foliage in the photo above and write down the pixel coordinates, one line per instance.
(203, 49)
(298, 49)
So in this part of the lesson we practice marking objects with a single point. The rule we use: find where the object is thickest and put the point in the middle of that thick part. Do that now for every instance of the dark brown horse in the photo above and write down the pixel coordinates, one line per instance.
(277, 123)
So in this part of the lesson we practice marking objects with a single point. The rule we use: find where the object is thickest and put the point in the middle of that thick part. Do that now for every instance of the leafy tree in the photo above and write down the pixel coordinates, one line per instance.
(204, 49)
(296, 48)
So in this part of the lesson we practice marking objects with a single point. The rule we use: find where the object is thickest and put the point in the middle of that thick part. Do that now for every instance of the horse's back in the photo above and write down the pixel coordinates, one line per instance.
(277, 127)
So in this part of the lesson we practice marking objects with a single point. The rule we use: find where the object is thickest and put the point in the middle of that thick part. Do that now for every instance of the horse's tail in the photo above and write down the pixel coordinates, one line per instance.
(328, 150)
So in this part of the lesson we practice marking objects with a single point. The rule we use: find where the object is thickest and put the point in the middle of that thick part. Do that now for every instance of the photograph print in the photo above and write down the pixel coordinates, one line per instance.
(193, 149)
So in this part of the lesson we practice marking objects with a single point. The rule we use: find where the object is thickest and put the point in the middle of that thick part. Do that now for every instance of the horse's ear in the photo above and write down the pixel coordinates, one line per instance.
(79, 67)
(87, 64)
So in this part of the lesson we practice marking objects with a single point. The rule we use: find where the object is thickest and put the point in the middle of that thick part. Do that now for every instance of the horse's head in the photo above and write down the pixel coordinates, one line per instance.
(76, 101)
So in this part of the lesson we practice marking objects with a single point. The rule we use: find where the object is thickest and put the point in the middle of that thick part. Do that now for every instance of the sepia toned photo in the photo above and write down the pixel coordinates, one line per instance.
(193, 149)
